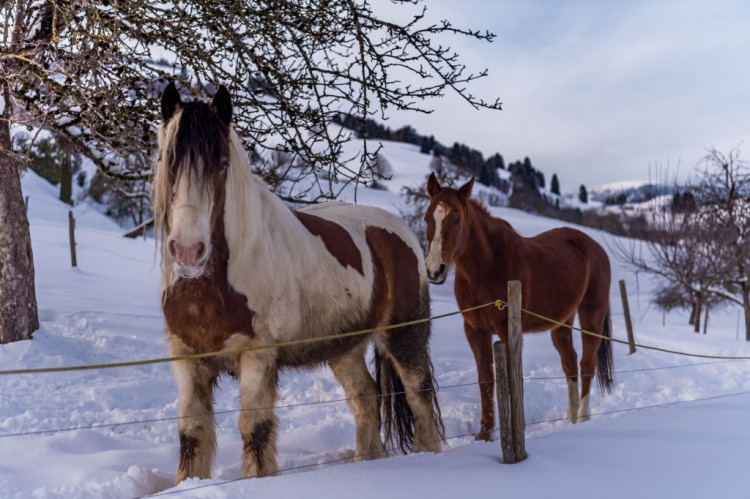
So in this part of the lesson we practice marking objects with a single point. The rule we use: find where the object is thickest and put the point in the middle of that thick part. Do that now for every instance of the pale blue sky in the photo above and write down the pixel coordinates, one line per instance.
(598, 91)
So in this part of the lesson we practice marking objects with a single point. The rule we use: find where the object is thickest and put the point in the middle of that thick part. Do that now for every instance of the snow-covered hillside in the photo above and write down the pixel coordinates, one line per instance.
(107, 310)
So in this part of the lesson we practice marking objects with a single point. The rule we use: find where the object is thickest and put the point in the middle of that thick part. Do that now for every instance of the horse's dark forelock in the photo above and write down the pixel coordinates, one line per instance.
(201, 139)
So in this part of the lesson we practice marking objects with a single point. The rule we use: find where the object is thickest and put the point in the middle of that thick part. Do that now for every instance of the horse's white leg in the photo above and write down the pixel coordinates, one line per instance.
(196, 424)
(563, 341)
(574, 404)
(351, 371)
(584, 411)
(257, 422)
(592, 319)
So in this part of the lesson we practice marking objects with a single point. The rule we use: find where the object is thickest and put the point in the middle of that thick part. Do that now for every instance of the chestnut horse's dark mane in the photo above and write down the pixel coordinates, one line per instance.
(483, 214)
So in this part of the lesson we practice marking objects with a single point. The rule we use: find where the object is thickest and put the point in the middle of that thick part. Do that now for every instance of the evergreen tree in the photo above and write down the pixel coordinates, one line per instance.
(496, 161)
(555, 187)
(540, 179)
(57, 162)
(424, 146)
(583, 195)
(44, 160)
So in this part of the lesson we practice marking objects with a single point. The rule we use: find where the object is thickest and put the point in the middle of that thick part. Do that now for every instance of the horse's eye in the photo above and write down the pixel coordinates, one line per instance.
(224, 164)
(457, 221)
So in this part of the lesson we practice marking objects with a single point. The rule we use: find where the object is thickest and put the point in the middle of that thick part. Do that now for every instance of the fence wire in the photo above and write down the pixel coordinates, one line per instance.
(320, 402)
(465, 435)
(498, 303)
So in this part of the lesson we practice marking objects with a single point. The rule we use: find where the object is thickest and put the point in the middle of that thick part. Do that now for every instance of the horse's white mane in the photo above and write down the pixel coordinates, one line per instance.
(161, 191)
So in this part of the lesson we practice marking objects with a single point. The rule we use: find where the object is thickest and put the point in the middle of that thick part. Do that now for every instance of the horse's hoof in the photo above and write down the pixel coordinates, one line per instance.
(572, 416)
(484, 436)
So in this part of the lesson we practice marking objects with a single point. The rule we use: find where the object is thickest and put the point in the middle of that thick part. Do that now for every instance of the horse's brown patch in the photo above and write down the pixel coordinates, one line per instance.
(399, 296)
(204, 312)
(336, 239)
(396, 287)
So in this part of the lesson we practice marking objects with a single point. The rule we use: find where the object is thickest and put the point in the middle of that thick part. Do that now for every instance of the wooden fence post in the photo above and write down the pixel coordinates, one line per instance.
(503, 402)
(509, 372)
(628, 321)
(72, 230)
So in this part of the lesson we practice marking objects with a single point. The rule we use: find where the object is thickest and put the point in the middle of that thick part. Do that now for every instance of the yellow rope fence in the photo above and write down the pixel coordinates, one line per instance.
(647, 347)
(500, 304)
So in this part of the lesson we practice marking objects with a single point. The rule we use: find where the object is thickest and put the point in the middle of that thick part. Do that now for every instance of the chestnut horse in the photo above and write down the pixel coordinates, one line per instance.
(241, 270)
(562, 272)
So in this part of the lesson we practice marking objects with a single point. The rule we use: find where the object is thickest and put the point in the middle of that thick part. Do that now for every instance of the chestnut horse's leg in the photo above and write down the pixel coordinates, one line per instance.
(195, 382)
(562, 338)
(258, 378)
(481, 346)
(591, 320)
(351, 371)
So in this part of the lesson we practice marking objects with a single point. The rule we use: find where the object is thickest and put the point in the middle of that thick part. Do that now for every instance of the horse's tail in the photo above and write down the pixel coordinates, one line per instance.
(396, 413)
(604, 358)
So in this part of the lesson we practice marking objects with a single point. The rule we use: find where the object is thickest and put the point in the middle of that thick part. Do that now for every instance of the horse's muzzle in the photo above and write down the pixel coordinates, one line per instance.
(189, 271)
(192, 271)
(439, 276)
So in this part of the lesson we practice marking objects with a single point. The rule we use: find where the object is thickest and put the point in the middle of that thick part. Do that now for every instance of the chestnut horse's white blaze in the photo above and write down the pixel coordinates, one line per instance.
(435, 261)
(242, 270)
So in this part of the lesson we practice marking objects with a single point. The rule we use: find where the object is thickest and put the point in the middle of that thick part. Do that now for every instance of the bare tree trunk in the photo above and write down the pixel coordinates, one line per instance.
(746, 307)
(18, 309)
(66, 177)
(705, 319)
(692, 314)
(697, 315)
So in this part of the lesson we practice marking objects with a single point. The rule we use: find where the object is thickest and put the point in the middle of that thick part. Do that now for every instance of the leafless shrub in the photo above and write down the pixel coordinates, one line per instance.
(701, 250)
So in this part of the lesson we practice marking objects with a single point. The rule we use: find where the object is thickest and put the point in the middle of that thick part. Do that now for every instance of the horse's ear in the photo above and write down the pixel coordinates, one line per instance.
(170, 101)
(222, 104)
(464, 192)
(433, 185)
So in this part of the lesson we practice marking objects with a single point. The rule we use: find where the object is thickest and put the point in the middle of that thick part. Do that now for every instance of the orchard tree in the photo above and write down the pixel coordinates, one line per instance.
(687, 252)
(54, 161)
(724, 192)
(92, 70)
(700, 245)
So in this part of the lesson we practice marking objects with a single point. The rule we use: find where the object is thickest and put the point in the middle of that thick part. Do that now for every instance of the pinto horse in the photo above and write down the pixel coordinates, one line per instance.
(240, 270)
(562, 272)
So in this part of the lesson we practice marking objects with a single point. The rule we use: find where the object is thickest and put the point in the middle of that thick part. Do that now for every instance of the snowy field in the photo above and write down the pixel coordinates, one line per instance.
(107, 310)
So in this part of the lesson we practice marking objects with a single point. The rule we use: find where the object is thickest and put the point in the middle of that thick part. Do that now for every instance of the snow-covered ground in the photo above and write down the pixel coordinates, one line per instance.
(107, 310)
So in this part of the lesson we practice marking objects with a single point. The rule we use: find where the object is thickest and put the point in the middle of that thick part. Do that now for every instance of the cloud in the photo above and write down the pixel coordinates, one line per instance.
(598, 91)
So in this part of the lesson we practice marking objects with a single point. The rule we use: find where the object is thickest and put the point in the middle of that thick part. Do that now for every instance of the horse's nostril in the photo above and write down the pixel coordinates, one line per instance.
(171, 248)
(201, 251)
(442, 269)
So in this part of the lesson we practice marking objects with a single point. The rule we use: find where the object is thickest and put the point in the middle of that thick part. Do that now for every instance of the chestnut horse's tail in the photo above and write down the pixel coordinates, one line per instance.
(604, 358)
